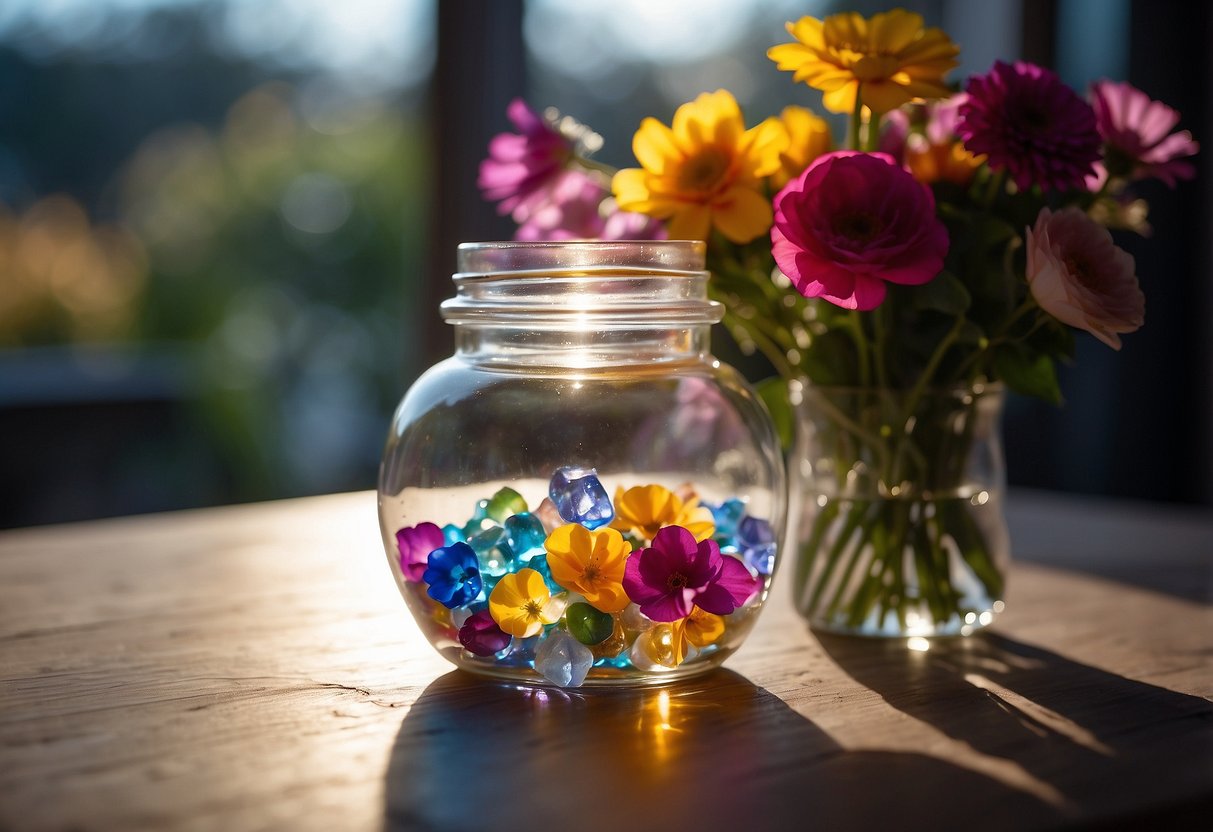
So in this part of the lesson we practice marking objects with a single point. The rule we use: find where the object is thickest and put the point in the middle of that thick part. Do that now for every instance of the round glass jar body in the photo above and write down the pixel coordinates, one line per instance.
(582, 493)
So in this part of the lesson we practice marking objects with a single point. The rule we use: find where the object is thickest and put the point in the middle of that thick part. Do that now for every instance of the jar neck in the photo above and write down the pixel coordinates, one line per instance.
(581, 348)
(581, 305)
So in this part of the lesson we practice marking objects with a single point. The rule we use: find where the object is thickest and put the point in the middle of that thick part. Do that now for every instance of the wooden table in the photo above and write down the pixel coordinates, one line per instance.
(254, 668)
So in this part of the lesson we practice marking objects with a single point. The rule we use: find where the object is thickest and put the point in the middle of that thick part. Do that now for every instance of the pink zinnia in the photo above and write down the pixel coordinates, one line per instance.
(1138, 137)
(1024, 119)
(851, 224)
(1080, 277)
(523, 163)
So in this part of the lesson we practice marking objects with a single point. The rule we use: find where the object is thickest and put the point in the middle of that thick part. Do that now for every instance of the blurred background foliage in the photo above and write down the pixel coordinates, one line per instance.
(209, 212)
(225, 225)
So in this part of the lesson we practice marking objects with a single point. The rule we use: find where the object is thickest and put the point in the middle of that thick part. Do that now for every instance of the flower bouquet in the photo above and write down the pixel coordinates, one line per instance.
(896, 285)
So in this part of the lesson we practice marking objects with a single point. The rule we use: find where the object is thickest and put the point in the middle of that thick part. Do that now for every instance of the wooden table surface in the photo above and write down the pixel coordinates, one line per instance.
(254, 668)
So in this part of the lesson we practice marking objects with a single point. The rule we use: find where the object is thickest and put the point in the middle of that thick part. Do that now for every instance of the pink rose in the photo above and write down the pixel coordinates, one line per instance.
(1081, 278)
(853, 222)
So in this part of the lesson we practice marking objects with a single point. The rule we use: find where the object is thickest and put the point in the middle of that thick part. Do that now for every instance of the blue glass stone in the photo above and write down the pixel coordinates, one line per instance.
(540, 564)
(756, 540)
(580, 497)
(493, 550)
(481, 511)
(563, 660)
(452, 534)
(520, 652)
(726, 516)
(525, 535)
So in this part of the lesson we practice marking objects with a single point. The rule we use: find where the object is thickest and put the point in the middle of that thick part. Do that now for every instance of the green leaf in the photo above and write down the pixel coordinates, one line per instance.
(774, 394)
(945, 293)
(1031, 374)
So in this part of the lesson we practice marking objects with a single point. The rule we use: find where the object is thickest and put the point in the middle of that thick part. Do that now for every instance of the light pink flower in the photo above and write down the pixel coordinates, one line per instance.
(853, 222)
(569, 211)
(1137, 134)
(1080, 277)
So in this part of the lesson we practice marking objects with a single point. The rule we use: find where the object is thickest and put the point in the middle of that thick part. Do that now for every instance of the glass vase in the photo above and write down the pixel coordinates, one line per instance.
(899, 500)
(582, 494)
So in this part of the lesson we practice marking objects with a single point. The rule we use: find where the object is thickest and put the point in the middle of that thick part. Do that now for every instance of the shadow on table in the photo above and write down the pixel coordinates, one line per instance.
(712, 753)
(1101, 741)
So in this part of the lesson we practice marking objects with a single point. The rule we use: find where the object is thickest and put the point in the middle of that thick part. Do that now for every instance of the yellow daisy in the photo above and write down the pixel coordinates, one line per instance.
(808, 136)
(705, 172)
(888, 60)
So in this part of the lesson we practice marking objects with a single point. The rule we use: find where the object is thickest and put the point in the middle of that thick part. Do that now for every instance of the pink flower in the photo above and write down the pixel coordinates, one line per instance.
(676, 574)
(1081, 278)
(1137, 133)
(852, 222)
(569, 212)
(1024, 119)
(415, 544)
(628, 225)
(481, 636)
(524, 163)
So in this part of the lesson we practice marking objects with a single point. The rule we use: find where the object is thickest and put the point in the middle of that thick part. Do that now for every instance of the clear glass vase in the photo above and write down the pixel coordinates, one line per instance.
(582, 493)
(898, 494)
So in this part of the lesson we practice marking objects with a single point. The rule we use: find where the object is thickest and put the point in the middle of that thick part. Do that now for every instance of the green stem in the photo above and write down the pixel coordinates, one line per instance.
(855, 325)
(995, 187)
(878, 320)
(856, 122)
(765, 344)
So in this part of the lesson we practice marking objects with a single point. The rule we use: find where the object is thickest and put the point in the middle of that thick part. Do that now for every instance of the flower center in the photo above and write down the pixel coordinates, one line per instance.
(676, 581)
(1082, 271)
(532, 608)
(860, 227)
(591, 573)
(704, 170)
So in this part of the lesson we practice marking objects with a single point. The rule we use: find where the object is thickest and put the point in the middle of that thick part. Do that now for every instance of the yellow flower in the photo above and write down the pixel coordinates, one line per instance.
(808, 137)
(669, 644)
(891, 57)
(949, 161)
(590, 563)
(707, 171)
(521, 604)
(645, 509)
(701, 628)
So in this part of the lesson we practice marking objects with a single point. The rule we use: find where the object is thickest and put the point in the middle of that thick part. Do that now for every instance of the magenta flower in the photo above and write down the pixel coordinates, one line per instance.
(481, 636)
(523, 163)
(676, 574)
(1137, 135)
(1025, 120)
(1078, 275)
(415, 544)
(852, 222)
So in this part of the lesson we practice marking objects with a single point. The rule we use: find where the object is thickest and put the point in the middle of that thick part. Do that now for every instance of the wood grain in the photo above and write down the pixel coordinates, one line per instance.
(254, 668)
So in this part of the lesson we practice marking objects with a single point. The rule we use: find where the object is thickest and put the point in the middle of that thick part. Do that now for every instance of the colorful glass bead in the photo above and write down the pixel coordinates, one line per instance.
(504, 503)
(493, 550)
(563, 660)
(588, 625)
(756, 540)
(580, 497)
(525, 535)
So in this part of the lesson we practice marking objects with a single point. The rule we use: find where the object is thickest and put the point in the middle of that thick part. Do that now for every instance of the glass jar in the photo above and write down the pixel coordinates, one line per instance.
(582, 493)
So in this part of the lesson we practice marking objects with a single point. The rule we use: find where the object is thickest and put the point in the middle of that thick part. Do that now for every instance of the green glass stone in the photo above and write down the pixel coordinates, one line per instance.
(588, 625)
(505, 502)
